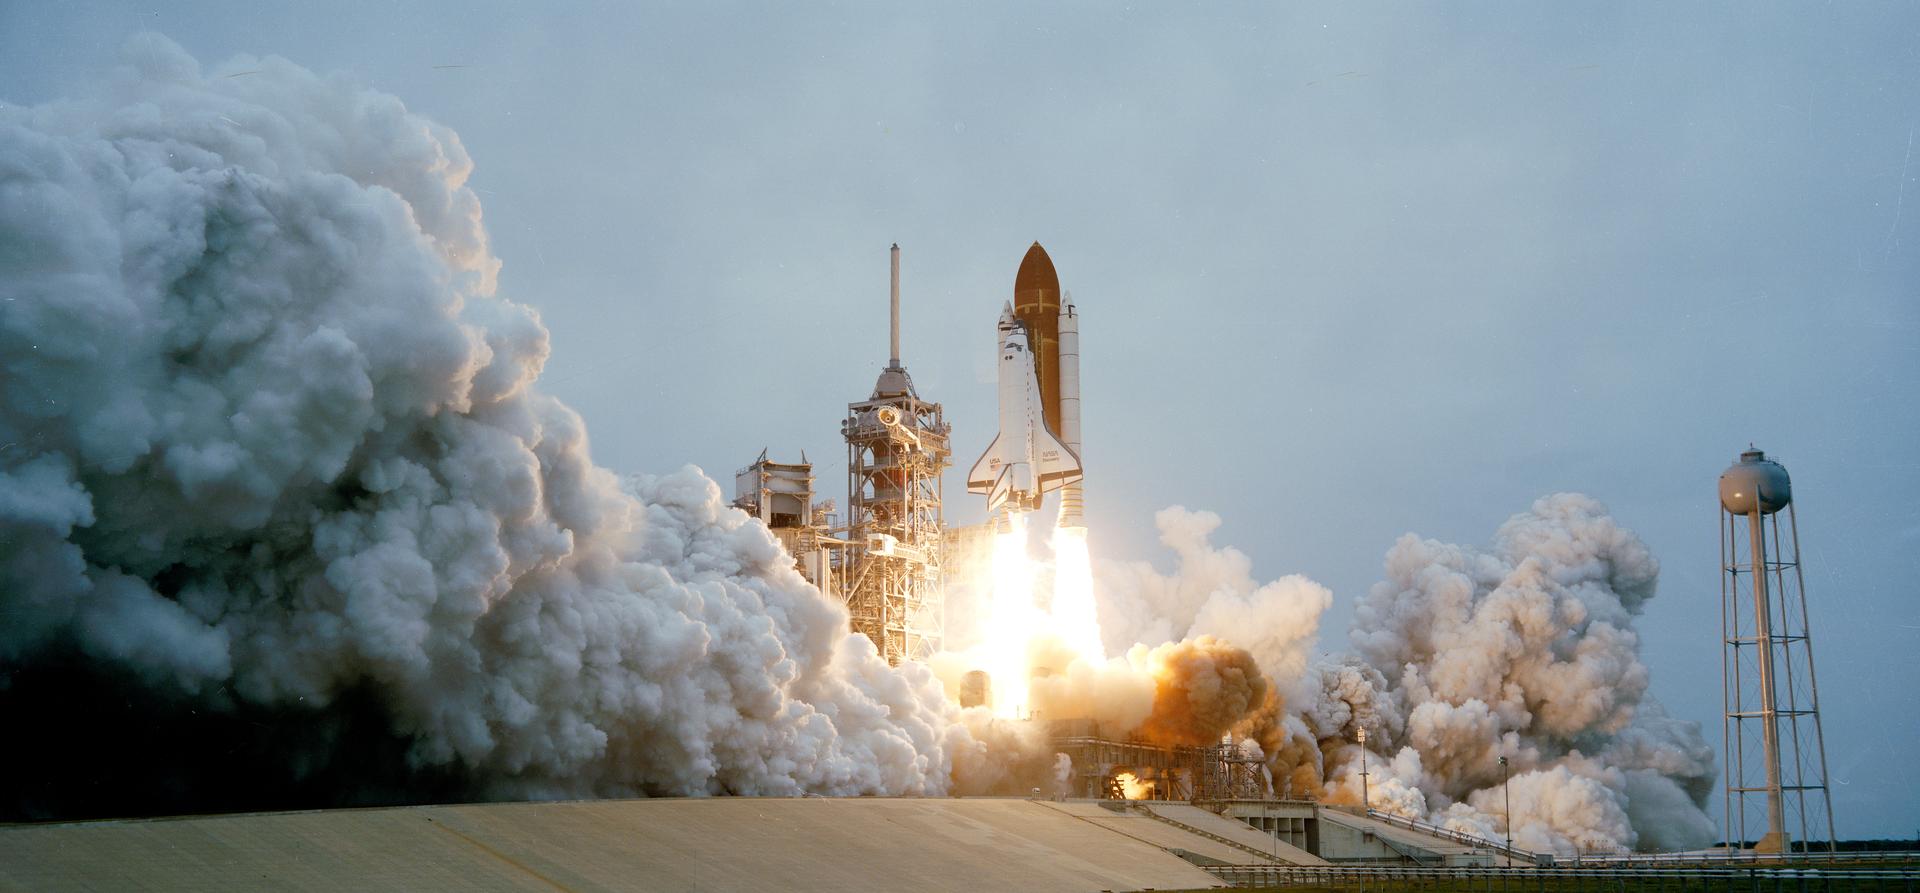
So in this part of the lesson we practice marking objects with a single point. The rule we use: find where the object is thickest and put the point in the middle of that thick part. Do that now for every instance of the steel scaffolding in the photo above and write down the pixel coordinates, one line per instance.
(897, 445)
(896, 448)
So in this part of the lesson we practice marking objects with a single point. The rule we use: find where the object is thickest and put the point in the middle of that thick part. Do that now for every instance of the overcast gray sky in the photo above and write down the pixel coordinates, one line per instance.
(1344, 273)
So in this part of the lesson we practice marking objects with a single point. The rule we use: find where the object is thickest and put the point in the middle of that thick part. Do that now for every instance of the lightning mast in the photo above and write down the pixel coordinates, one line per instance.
(897, 445)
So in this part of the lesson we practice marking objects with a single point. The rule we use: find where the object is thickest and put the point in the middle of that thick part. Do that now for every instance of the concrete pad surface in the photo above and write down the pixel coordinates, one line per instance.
(734, 843)
(1237, 831)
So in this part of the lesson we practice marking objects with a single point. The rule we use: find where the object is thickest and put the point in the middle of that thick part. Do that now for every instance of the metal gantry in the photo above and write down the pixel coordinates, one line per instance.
(1229, 773)
(890, 572)
(897, 445)
(1166, 773)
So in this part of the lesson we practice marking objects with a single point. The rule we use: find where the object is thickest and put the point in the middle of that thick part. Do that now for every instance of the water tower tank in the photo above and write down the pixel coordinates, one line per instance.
(1776, 764)
(1754, 479)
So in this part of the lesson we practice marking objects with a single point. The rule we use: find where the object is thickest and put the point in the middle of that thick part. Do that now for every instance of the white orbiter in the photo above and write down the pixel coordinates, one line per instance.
(1025, 460)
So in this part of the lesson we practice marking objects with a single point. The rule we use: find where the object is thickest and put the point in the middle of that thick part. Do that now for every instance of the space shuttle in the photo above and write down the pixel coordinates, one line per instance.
(1025, 460)
(1037, 449)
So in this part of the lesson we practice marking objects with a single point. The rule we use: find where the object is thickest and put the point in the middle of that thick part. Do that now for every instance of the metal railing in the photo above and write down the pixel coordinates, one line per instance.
(1539, 859)
(1736, 857)
(1752, 879)
(1201, 832)
(1406, 853)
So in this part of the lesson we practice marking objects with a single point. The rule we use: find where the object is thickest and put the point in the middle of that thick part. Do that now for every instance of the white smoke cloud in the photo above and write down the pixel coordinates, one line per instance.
(268, 433)
(1211, 592)
(1525, 652)
(1117, 693)
(268, 436)
(1353, 696)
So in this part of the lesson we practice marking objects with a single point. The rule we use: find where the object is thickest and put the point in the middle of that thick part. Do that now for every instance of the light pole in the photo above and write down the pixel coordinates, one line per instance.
(1366, 802)
(1508, 797)
(1266, 818)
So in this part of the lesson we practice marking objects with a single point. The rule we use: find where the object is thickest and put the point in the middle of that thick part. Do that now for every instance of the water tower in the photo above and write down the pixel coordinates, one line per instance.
(1776, 757)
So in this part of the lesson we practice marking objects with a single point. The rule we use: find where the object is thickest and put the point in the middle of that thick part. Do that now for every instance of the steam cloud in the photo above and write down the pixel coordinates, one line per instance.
(272, 458)
(1211, 592)
(1204, 687)
(1526, 651)
(270, 444)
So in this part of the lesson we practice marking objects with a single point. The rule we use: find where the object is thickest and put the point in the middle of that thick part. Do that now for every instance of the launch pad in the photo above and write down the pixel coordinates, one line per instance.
(1106, 768)
(724, 843)
(889, 563)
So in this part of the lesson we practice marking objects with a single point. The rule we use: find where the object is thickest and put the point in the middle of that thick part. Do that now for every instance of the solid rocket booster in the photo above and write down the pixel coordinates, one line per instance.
(1025, 460)
(1070, 500)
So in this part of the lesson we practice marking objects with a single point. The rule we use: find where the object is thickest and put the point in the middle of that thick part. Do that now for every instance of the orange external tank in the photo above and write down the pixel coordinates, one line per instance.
(1036, 303)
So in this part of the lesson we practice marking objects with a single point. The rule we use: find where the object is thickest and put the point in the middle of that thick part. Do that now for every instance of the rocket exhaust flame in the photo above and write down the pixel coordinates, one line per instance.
(1132, 787)
(1073, 613)
(1014, 619)
(1028, 635)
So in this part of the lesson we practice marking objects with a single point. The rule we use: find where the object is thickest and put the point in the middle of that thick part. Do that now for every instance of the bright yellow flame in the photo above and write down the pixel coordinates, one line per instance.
(1014, 619)
(1016, 624)
(1133, 788)
(1074, 618)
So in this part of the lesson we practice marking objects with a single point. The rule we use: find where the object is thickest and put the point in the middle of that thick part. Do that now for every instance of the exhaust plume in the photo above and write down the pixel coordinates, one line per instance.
(1461, 657)
(274, 457)
(1202, 688)
(1211, 592)
(1526, 651)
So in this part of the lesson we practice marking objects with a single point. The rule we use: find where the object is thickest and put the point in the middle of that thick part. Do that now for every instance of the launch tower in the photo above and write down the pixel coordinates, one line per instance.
(1776, 757)
(897, 445)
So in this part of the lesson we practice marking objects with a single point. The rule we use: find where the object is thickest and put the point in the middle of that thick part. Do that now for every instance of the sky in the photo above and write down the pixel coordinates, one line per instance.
(1345, 272)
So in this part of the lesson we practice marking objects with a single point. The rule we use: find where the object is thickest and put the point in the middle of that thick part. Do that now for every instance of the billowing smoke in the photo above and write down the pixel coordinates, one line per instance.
(271, 456)
(1525, 651)
(1118, 694)
(285, 521)
(1203, 687)
(1189, 692)
(1211, 592)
